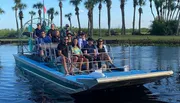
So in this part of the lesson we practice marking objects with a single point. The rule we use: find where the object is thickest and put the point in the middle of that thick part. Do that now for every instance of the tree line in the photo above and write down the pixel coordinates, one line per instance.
(166, 10)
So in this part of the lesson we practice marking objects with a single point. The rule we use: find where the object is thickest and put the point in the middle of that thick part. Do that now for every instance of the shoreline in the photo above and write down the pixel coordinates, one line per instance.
(145, 42)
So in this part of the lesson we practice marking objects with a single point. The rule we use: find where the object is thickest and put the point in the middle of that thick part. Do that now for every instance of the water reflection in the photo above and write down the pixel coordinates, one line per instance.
(17, 89)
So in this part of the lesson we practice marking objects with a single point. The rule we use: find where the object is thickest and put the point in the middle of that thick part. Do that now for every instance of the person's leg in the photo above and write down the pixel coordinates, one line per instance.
(99, 61)
(107, 57)
(87, 63)
(64, 64)
(80, 63)
(90, 60)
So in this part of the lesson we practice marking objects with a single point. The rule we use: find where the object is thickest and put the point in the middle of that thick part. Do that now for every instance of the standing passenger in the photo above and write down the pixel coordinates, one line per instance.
(82, 40)
(52, 32)
(37, 31)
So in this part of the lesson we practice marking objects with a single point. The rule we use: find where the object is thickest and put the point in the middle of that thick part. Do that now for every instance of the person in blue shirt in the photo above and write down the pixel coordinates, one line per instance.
(37, 31)
(41, 41)
(90, 52)
(44, 38)
(82, 40)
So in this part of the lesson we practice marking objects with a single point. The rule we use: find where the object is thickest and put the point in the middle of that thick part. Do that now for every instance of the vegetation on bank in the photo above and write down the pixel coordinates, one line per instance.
(12, 34)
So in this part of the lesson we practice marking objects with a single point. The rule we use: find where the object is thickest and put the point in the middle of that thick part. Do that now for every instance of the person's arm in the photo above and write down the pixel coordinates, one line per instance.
(34, 34)
(80, 43)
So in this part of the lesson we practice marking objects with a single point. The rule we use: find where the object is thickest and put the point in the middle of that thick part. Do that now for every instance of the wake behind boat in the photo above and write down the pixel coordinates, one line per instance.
(53, 72)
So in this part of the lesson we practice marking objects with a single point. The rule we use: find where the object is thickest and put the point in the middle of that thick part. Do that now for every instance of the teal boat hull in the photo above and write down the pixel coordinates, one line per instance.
(79, 83)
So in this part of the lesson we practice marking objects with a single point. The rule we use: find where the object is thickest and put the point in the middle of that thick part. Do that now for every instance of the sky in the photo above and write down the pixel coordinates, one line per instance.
(7, 20)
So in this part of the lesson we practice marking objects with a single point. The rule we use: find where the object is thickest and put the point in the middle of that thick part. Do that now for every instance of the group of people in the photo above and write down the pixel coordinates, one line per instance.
(73, 49)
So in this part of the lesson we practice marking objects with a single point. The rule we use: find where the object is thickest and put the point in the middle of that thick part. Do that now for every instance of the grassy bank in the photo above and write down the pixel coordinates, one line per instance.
(132, 39)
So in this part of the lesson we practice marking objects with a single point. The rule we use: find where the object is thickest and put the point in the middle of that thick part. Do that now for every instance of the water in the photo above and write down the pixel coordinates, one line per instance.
(16, 89)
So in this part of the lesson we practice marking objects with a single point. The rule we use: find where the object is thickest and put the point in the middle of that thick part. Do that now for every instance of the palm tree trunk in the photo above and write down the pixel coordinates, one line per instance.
(170, 15)
(158, 13)
(21, 24)
(134, 18)
(123, 18)
(70, 23)
(99, 22)
(88, 27)
(151, 9)
(178, 12)
(79, 22)
(61, 17)
(109, 21)
(139, 23)
(17, 24)
(31, 20)
(48, 19)
(91, 22)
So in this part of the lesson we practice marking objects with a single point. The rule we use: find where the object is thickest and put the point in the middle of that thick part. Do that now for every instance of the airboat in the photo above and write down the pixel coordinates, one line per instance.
(53, 73)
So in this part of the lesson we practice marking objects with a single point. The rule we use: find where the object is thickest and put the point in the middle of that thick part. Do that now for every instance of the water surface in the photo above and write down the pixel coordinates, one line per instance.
(16, 89)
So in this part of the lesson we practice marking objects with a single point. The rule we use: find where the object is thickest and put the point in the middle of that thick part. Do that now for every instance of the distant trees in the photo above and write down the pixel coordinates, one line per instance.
(76, 3)
(39, 6)
(69, 15)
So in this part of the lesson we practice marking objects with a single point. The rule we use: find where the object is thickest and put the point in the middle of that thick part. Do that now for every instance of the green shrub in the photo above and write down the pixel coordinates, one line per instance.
(164, 27)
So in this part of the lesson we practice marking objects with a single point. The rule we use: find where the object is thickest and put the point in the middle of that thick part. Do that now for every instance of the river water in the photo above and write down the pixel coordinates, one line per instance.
(16, 89)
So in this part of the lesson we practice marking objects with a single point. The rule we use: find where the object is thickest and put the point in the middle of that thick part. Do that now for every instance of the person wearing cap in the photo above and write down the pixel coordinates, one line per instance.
(82, 40)
(102, 54)
(64, 31)
(52, 32)
(37, 31)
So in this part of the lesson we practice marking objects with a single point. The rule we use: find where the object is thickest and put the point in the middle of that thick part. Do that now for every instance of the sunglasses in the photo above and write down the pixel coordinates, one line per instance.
(100, 41)
(65, 39)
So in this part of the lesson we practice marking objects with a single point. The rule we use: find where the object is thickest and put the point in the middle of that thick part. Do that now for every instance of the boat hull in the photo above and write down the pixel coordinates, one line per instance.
(80, 83)
(55, 81)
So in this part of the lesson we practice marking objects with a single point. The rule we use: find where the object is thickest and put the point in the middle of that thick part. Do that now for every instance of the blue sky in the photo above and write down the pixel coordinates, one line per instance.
(7, 20)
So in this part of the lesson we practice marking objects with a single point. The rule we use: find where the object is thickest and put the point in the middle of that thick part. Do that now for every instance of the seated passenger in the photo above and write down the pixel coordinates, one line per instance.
(102, 52)
(82, 40)
(64, 31)
(63, 49)
(43, 40)
(69, 34)
(56, 37)
(78, 56)
(91, 54)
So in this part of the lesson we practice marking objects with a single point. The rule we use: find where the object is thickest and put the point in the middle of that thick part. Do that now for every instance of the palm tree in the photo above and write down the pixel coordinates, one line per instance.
(21, 7)
(176, 8)
(157, 5)
(100, 8)
(135, 3)
(89, 4)
(49, 14)
(76, 3)
(15, 8)
(108, 4)
(122, 4)
(32, 13)
(52, 12)
(39, 6)
(151, 8)
(60, 6)
(2, 11)
(141, 3)
(69, 18)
